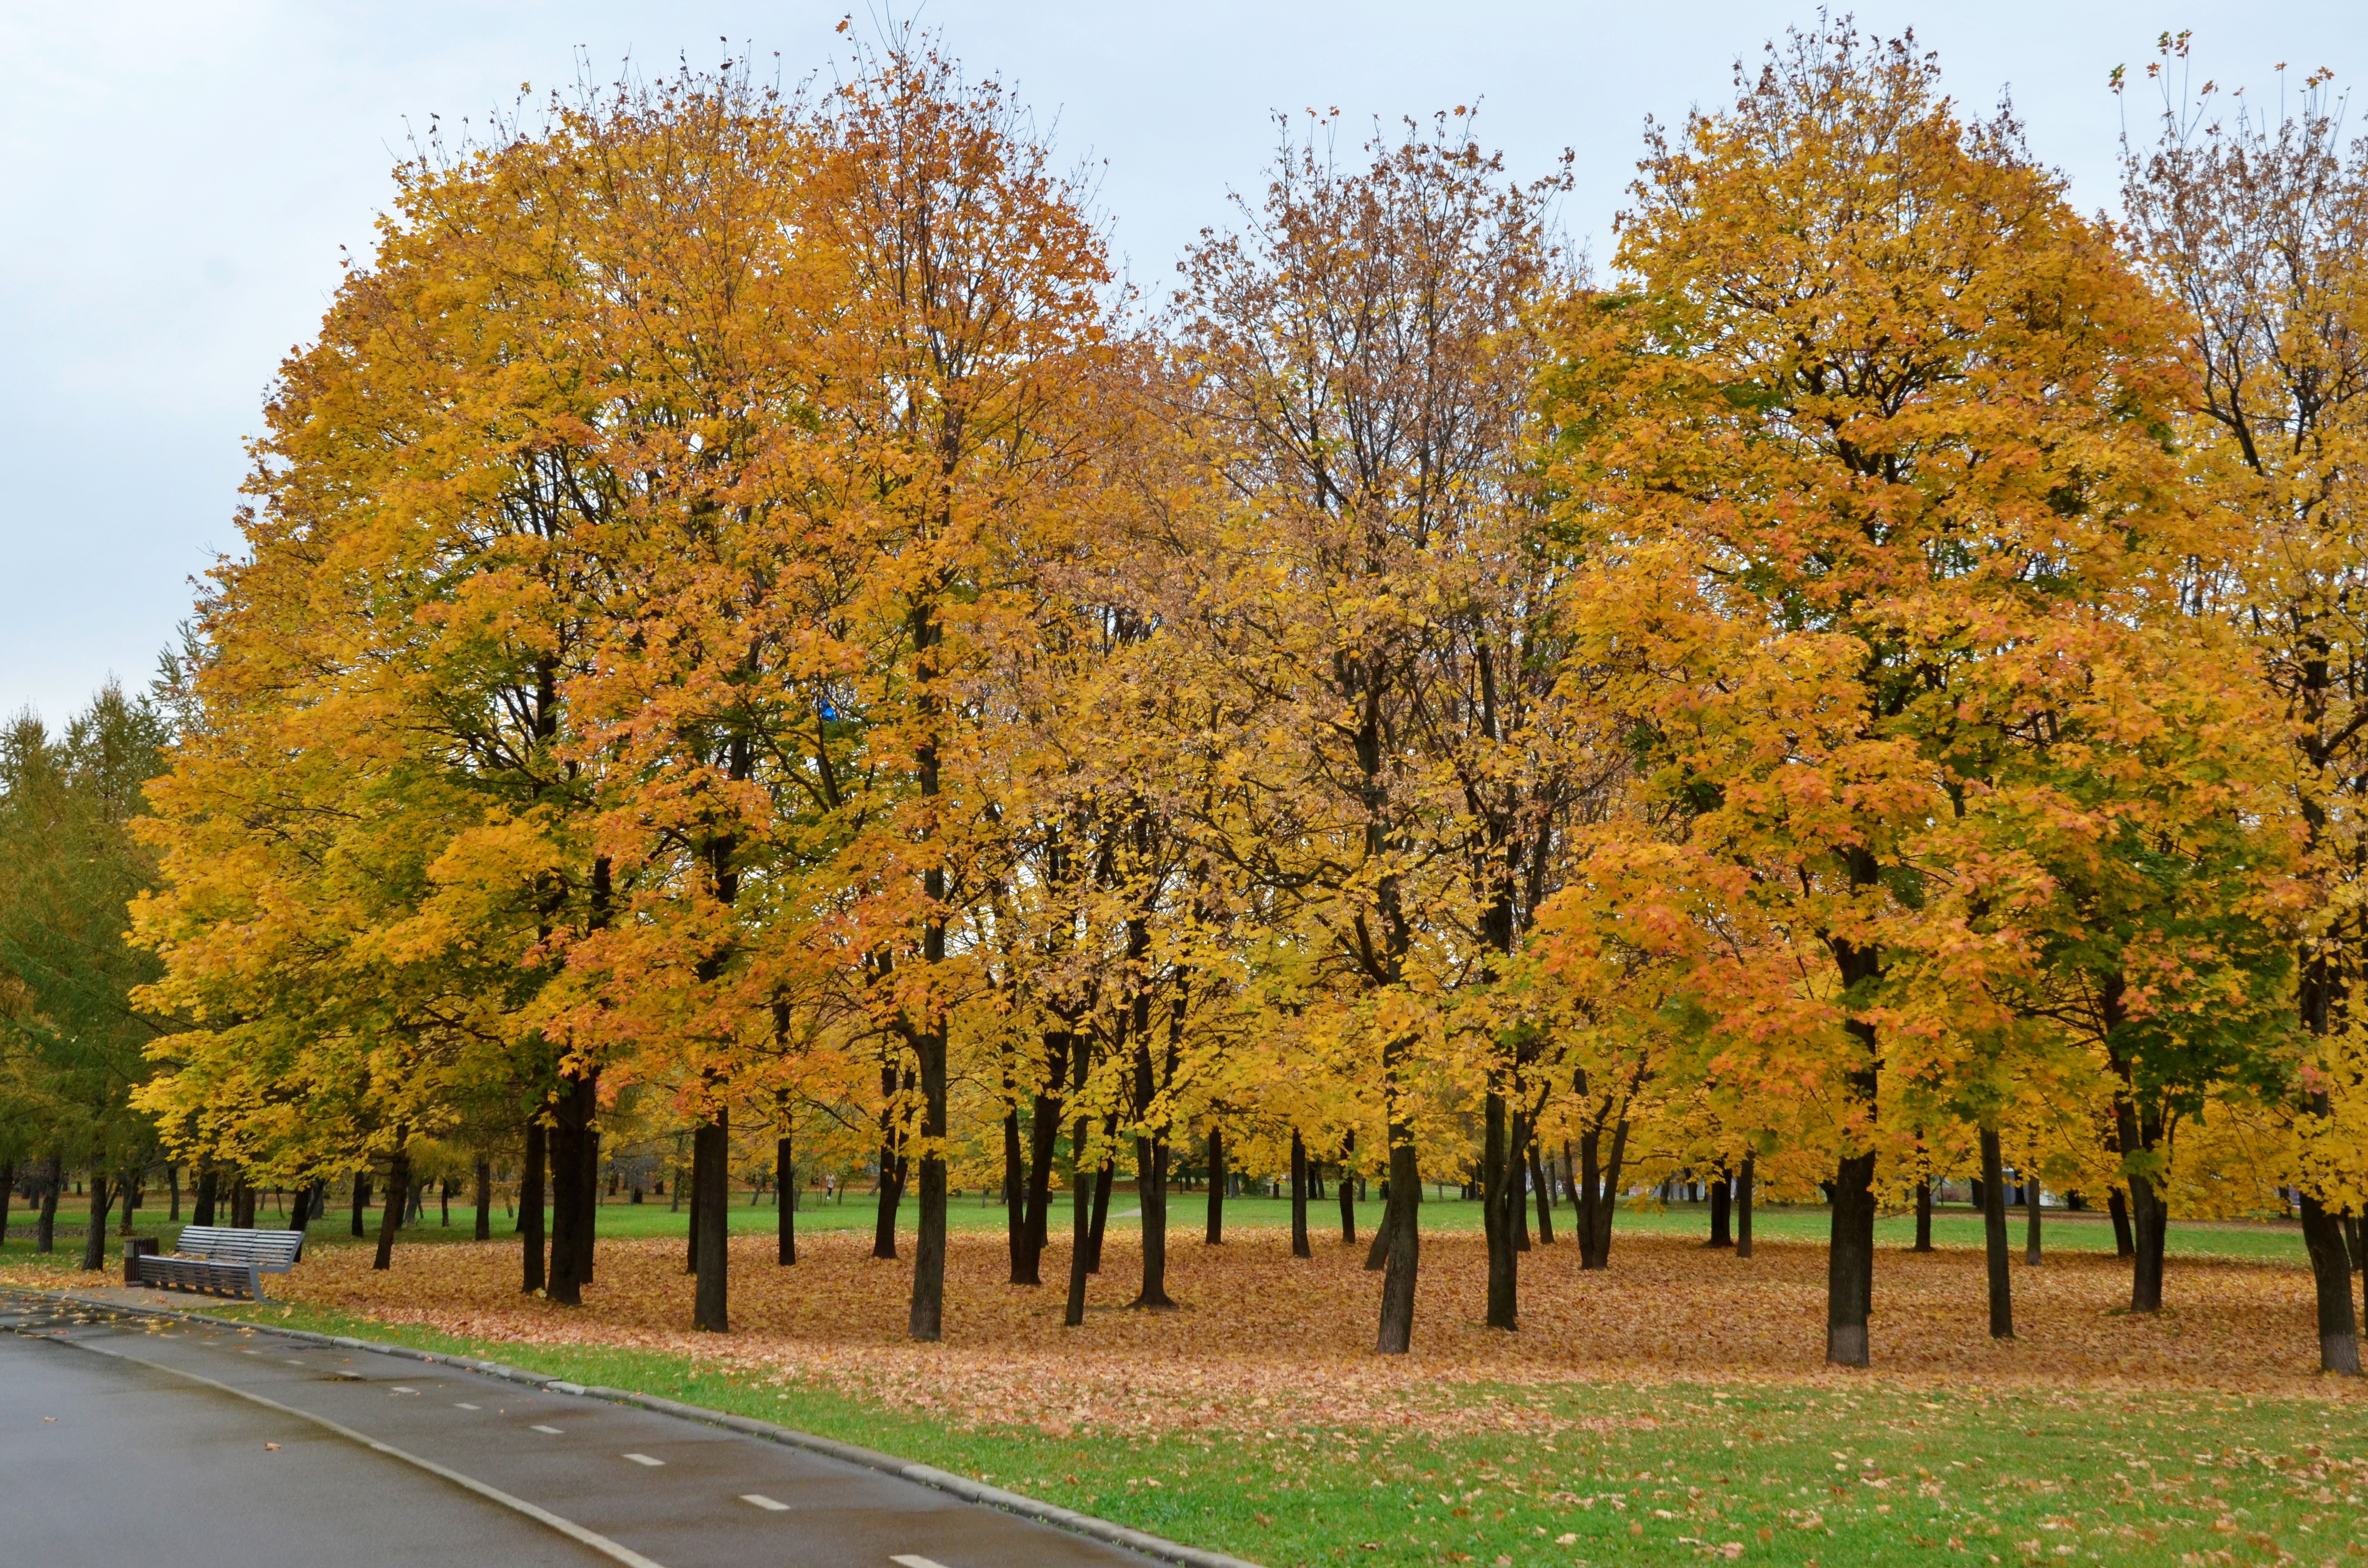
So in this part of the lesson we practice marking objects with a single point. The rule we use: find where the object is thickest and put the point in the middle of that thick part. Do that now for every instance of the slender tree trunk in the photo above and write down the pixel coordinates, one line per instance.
(242, 1203)
(1500, 1207)
(1517, 1167)
(1349, 1192)
(1544, 1186)
(94, 1244)
(892, 1168)
(1993, 1238)
(1720, 1216)
(2330, 1269)
(2118, 1209)
(300, 1213)
(785, 1186)
(1043, 1138)
(1080, 1207)
(172, 1180)
(1102, 1181)
(1015, 1183)
(2031, 1237)
(1400, 1221)
(1923, 1217)
(1299, 1247)
(1151, 1165)
(208, 1188)
(1589, 1196)
(484, 1199)
(129, 1187)
(9, 1191)
(698, 1185)
(710, 1217)
(1743, 1182)
(1216, 1236)
(398, 1185)
(2147, 1216)
(45, 1229)
(530, 1207)
(360, 1205)
(587, 1211)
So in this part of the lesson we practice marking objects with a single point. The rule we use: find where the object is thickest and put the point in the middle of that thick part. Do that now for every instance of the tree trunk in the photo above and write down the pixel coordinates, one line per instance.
(1151, 1167)
(1721, 1220)
(45, 1229)
(209, 1187)
(1395, 1335)
(530, 1206)
(711, 1216)
(785, 1187)
(2330, 1269)
(172, 1180)
(9, 1191)
(1544, 1190)
(360, 1205)
(1600, 1183)
(1216, 1236)
(1299, 1247)
(2118, 1207)
(484, 1199)
(1102, 1180)
(1923, 1217)
(587, 1212)
(1743, 1204)
(1080, 1211)
(1347, 1193)
(1849, 1262)
(1516, 1172)
(1993, 1238)
(1043, 1137)
(574, 1177)
(892, 1170)
(242, 1203)
(398, 1187)
(1015, 1186)
(2146, 1222)
(2352, 1244)
(2031, 1237)
(94, 1244)
(301, 1211)
(130, 1189)
(1500, 1207)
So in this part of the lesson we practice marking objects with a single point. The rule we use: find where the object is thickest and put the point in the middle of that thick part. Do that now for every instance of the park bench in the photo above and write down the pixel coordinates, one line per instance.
(218, 1258)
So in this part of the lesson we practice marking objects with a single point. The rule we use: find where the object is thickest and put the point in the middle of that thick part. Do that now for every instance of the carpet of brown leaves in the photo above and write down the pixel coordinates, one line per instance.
(1263, 1341)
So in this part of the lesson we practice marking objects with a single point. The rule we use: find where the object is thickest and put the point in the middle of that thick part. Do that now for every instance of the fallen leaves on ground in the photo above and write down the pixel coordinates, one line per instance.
(1266, 1341)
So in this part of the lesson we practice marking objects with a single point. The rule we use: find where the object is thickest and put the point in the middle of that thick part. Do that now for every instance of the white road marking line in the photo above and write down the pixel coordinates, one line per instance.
(910, 1561)
(295, 1363)
(463, 1404)
(644, 1458)
(546, 1431)
(764, 1502)
(403, 1390)
(600, 1543)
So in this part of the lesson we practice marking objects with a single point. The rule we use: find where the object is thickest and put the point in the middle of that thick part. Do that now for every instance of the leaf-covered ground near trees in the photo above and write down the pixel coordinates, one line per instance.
(1672, 1409)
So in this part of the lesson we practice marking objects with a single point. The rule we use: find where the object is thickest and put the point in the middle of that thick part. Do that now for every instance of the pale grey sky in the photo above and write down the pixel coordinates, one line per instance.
(175, 178)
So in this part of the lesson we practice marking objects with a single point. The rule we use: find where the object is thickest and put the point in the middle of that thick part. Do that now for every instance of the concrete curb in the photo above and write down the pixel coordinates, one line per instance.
(928, 1475)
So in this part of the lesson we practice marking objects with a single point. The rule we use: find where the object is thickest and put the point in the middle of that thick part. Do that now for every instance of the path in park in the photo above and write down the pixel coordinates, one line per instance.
(126, 1438)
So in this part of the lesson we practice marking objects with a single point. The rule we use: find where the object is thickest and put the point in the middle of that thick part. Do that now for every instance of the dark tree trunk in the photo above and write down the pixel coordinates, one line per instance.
(242, 1204)
(2118, 1209)
(785, 1189)
(1347, 1193)
(1499, 1208)
(1080, 1208)
(1743, 1204)
(172, 1180)
(360, 1203)
(574, 1179)
(1299, 1247)
(1600, 1194)
(711, 1214)
(1721, 1217)
(1102, 1181)
(2330, 1269)
(1043, 1138)
(2147, 1225)
(1151, 1167)
(129, 1187)
(530, 1206)
(9, 1191)
(1994, 1239)
(587, 1211)
(484, 1199)
(301, 1211)
(1516, 1168)
(1399, 1221)
(2352, 1243)
(94, 1244)
(45, 1228)
(1015, 1186)
(1544, 1186)
(1849, 1262)
(891, 1169)
(1923, 1217)
(1216, 1236)
(2030, 1230)
(390, 1218)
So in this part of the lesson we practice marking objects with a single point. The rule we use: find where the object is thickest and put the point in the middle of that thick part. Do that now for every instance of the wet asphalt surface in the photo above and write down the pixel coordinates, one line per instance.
(126, 1438)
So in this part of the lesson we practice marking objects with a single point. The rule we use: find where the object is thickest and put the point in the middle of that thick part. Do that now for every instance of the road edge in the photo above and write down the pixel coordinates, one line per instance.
(960, 1486)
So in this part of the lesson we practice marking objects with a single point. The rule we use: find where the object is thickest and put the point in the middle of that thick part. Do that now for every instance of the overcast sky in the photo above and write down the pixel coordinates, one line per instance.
(176, 179)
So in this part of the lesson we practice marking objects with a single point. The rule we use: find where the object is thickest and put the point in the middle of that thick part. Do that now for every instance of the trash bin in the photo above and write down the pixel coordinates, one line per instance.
(134, 1249)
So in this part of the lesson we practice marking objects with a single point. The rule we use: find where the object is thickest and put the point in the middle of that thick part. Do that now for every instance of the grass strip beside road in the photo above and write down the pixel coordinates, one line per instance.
(1842, 1470)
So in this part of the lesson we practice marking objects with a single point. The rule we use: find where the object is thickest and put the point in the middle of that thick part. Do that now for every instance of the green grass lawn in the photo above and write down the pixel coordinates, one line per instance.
(1847, 1471)
(1952, 1226)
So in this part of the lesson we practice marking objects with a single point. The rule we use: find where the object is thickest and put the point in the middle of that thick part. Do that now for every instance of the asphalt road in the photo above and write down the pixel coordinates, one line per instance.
(125, 1438)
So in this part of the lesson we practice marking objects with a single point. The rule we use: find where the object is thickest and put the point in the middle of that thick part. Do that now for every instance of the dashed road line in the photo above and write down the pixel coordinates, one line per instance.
(644, 1458)
(910, 1561)
(764, 1502)
(464, 1404)
(546, 1431)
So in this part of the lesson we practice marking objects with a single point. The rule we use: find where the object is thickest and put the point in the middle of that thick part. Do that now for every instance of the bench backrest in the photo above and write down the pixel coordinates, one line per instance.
(273, 1251)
